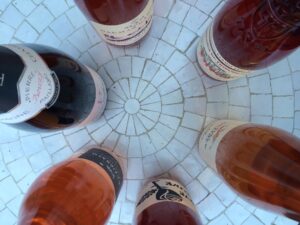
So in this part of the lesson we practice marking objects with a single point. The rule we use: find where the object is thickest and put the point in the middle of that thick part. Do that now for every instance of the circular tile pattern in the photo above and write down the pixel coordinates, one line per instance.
(144, 109)
(158, 103)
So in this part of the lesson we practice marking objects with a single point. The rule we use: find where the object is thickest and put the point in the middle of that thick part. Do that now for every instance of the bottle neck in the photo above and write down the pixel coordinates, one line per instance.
(107, 162)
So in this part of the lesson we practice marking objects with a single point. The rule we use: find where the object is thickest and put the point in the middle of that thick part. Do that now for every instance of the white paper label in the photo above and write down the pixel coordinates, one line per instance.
(38, 87)
(211, 138)
(163, 190)
(212, 62)
(129, 32)
(100, 98)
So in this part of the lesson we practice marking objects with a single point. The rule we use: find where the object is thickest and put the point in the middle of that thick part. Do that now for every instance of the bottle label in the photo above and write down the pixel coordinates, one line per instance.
(211, 138)
(213, 63)
(163, 190)
(108, 163)
(38, 87)
(100, 99)
(129, 32)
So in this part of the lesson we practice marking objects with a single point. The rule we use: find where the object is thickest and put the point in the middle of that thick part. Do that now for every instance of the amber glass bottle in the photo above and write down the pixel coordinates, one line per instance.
(260, 163)
(79, 191)
(247, 35)
(165, 202)
(119, 22)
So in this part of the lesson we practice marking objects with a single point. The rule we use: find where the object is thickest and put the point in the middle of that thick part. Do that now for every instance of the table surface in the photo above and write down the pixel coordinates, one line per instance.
(158, 104)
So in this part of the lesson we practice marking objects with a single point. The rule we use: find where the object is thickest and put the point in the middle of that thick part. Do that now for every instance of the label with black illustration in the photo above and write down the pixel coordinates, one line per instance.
(34, 88)
(163, 190)
(108, 163)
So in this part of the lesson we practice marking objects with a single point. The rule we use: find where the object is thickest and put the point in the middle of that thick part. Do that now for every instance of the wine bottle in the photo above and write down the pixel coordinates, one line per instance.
(248, 35)
(165, 202)
(119, 22)
(81, 190)
(44, 88)
(260, 163)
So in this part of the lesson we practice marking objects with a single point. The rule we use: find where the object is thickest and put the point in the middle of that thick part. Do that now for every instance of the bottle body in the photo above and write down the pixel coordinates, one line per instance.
(46, 89)
(260, 163)
(119, 22)
(165, 202)
(247, 35)
(78, 191)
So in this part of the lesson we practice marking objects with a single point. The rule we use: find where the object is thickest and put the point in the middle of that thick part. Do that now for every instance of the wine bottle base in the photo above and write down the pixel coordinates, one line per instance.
(212, 63)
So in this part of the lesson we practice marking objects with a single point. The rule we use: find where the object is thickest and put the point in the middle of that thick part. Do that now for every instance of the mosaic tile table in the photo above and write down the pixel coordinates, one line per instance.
(159, 102)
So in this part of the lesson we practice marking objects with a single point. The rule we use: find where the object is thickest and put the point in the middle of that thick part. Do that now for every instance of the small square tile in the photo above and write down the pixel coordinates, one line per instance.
(7, 218)
(225, 194)
(252, 220)
(260, 84)
(178, 12)
(40, 160)
(279, 69)
(192, 16)
(209, 179)
(282, 86)
(284, 106)
(264, 216)
(261, 105)
(9, 189)
(211, 207)
(19, 168)
(237, 214)
(196, 191)
(171, 32)
(8, 14)
(35, 18)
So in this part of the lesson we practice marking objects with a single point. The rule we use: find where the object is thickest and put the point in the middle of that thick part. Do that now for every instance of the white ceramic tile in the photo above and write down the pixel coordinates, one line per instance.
(192, 16)
(285, 221)
(178, 12)
(261, 105)
(197, 191)
(62, 32)
(252, 221)
(282, 86)
(283, 106)
(24, 6)
(237, 214)
(279, 69)
(207, 6)
(40, 160)
(225, 194)
(158, 26)
(7, 217)
(209, 179)
(220, 220)
(264, 216)
(211, 207)
(15, 204)
(260, 84)
(19, 168)
(9, 189)
(218, 93)
(35, 18)
(8, 14)
(56, 7)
